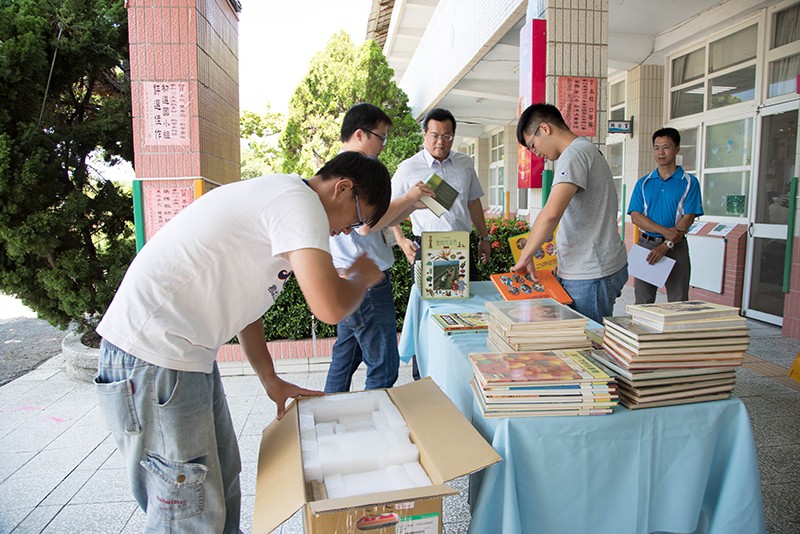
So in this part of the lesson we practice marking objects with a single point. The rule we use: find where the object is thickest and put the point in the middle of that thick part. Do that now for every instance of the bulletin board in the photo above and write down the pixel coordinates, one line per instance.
(708, 262)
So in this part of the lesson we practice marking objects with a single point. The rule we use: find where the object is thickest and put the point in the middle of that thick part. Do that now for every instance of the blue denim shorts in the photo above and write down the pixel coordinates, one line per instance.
(595, 298)
(175, 433)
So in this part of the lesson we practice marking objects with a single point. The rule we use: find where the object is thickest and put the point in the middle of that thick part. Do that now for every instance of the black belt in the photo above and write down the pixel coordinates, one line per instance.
(652, 238)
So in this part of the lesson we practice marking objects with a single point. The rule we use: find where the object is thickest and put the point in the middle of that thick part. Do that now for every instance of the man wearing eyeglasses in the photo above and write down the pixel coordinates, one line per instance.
(455, 168)
(370, 333)
(592, 260)
(210, 274)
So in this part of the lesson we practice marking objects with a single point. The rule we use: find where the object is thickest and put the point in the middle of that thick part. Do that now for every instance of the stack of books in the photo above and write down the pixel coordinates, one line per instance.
(543, 383)
(461, 322)
(539, 324)
(674, 353)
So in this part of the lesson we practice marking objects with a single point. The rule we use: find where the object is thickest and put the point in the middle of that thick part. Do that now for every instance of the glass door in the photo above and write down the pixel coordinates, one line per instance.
(766, 249)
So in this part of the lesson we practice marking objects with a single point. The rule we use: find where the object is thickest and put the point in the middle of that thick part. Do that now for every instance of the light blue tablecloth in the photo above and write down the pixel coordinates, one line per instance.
(689, 468)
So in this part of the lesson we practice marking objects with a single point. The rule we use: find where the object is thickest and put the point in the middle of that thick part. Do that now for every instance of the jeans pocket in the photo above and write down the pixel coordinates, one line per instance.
(175, 489)
(115, 400)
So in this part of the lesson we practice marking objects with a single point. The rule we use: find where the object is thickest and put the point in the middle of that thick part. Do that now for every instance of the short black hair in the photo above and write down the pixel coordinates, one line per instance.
(672, 133)
(534, 115)
(362, 116)
(371, 180)
(438, 115)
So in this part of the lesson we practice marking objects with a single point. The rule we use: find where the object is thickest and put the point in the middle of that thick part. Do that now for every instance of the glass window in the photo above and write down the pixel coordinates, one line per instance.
(783, 75)
(618, 114)
(471, 152)
(617, 93)
(732, 88)
(687, 101)
(689, 67)
(522, 200)
(725, 193)
(687, 157)
(733, 49)
(497, 170)
(729, 144)
(787, 26)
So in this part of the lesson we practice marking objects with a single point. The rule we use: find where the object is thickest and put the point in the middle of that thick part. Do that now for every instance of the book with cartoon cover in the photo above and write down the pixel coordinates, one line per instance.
(444, 265)
(545, 259)
(534, 314)
(461, 322)
(513, 286)
(532, 368)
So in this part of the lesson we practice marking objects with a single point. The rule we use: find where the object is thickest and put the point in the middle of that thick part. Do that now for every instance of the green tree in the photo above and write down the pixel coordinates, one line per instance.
(338, 77)
(66, 235)
(260, 152)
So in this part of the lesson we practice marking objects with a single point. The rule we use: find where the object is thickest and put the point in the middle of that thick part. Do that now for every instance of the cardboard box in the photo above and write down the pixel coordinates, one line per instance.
(449, 448)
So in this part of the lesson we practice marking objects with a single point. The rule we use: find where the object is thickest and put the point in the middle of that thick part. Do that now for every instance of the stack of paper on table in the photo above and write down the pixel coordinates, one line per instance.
(658, 368)
(531, 325)
(542, 383)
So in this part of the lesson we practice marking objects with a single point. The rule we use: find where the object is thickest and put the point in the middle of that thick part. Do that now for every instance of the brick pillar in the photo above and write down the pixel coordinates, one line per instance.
(185, 93)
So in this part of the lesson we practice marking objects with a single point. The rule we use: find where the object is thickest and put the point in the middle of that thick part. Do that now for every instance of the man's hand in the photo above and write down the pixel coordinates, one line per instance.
(525, 266)
(280, 391)
(657, 253)
(416, 192)
(672, 234)
(485, 250)
(409, 247)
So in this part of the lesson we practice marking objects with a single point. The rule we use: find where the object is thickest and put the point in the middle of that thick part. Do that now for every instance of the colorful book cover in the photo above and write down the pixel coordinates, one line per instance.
(513, 286)
(545, 259)
(546, 312)
(531, 368)
(444, 265)
(451, 323)
(681, 311)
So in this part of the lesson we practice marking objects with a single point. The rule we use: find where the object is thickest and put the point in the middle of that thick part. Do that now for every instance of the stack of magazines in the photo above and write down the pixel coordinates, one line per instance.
(674, 353)
(540, 324)
(543, 383)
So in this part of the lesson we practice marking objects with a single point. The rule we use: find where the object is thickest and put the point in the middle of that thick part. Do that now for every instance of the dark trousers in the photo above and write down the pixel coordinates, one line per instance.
(677, 284)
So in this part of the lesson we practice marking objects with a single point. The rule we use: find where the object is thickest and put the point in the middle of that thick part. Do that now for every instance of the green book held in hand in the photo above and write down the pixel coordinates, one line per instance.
(445, 195)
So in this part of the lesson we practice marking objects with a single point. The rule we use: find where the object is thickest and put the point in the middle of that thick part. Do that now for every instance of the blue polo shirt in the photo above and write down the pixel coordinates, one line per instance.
(665, 201)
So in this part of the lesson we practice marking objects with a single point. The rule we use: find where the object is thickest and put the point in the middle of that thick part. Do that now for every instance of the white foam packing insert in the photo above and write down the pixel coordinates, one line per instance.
(358, 443)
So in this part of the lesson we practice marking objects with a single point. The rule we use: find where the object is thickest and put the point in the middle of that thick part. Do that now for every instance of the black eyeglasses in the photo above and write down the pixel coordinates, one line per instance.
(360, 221)
(383, 138)
(532, 145)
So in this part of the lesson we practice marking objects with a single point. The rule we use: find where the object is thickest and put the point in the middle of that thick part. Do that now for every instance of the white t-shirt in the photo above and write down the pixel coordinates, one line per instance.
(216, 267)
(458, 171)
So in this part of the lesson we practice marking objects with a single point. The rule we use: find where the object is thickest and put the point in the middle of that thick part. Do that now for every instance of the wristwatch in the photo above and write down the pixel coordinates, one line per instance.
(669, 243)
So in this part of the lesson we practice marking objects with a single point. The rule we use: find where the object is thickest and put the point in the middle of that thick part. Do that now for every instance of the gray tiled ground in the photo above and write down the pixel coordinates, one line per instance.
(59, 472)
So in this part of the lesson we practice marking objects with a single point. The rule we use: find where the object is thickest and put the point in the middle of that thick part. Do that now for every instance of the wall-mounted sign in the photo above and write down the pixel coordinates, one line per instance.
(577, 101)
(166, 113)
(623, 127)
(163, 199)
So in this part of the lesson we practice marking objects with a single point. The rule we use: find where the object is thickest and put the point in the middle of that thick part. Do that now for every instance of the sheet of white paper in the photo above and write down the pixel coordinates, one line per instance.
(653, 274)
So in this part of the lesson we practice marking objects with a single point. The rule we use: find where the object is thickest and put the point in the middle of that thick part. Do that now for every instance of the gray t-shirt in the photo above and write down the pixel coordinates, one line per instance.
(589, 245)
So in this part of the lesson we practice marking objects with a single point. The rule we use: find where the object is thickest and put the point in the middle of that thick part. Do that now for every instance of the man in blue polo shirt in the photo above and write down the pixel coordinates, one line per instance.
(664, 205)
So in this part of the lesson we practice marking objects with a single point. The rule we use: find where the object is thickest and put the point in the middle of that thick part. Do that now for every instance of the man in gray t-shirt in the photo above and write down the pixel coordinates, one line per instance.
(592, 259)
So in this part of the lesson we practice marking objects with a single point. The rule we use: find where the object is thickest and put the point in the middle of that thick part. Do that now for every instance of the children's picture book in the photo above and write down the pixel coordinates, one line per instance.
(689, 310)
(545, 259)
(444, 265)
(445, 195)
(534, 368)
(461, 322)
(513, 286)
(529, 314)
(625, 327)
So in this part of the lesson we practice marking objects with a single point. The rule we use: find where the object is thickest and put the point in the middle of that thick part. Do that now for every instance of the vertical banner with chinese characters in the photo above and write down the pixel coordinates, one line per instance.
(577, 101)
(532, 71)
(163, 199)
(166, 113)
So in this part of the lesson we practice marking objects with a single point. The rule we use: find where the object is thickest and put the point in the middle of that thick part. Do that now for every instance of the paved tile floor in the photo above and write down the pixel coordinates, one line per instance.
(59, 472)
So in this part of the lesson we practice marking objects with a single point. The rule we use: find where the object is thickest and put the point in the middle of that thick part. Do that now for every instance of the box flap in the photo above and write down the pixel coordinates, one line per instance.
(361, 501)
(280, 487)
(449, 445)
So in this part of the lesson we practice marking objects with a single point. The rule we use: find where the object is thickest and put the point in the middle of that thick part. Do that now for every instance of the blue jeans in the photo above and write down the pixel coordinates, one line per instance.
(595, 298)
(175, 432)
(369, 334)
